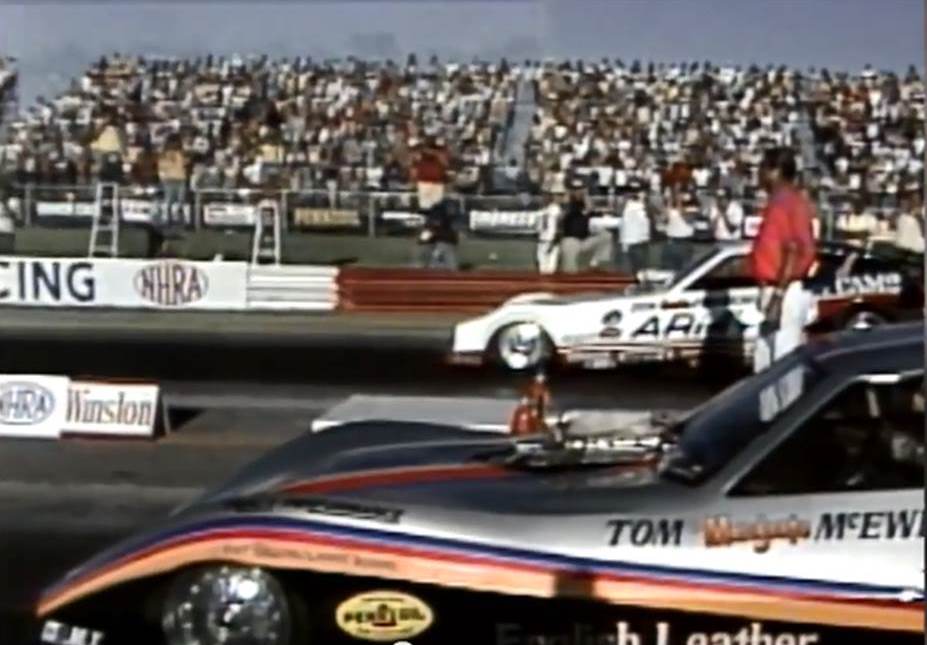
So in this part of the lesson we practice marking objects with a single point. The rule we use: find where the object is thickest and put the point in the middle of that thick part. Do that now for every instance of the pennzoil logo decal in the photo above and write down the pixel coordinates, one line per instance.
(383, 616)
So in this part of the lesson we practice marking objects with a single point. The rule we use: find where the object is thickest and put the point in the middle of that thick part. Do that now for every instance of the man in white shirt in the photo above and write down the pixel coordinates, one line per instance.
(909, 227)
(727, 216)
(548, 249)
(635, 230)
(678, 236)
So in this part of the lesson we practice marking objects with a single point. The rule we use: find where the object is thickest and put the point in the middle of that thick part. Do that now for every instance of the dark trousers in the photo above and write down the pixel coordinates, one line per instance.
(637, 256)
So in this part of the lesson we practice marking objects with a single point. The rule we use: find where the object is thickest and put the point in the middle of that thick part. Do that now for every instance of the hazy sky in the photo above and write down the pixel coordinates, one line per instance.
(54, 40)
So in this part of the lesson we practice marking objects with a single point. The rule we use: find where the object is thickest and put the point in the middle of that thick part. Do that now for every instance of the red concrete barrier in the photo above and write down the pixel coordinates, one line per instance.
(426, 290)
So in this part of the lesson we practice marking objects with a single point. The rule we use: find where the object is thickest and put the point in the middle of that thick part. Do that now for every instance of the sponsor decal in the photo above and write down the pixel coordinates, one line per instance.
(864, 284)
(171, 283)
(778, 396)
(25, 403)
(611, 325)
(326, 218)
(684, 324)
(679, 324)
(296, 556)
(46, 281)
(903, 524)
(722, 531)
(383, 616)
(57, 633)
(320, 507)
(660, 633)
(644, 532)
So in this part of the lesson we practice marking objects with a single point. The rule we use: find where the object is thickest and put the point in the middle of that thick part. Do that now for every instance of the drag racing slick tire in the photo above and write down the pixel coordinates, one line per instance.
(521, 346)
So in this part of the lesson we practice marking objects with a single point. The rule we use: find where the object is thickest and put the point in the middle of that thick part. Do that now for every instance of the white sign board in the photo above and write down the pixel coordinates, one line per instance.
(121, 409)
(32, 406)
(527, 222)
(405, 218)
(133, 210)
(229, 214)
(130, 284)
(520, 222)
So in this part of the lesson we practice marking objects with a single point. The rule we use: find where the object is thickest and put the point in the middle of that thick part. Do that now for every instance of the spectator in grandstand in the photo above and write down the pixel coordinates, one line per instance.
(635, 230)
(172, 171)
(549, 225)
(144, 171)
(726, 217)
(678, 235)
(578, 239)
(430, 173)
(909, 225)
(857, 224)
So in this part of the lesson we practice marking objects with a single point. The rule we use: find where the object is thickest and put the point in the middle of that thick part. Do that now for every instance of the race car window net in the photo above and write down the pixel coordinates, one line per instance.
(868, 437)
(722, 427)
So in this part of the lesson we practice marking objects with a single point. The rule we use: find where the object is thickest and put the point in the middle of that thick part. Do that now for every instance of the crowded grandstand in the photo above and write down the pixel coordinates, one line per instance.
(686, 138)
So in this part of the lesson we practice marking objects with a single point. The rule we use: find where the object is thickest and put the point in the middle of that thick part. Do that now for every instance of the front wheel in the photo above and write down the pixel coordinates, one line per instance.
(522, 346)
(230, 605)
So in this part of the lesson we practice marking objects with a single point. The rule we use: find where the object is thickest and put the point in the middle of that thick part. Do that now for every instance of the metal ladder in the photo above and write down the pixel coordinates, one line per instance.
(265, 243)
(104, 230)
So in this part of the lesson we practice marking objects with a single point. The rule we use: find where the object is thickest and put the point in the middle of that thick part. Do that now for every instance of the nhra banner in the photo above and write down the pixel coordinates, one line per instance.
(130, 284)
(32, 406)
(45, 407)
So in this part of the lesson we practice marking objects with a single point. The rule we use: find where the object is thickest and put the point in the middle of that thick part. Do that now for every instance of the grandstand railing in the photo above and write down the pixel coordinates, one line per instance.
(371, 213)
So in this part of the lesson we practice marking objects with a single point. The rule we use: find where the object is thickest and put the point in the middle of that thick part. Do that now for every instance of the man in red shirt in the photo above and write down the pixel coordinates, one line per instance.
(782, 255)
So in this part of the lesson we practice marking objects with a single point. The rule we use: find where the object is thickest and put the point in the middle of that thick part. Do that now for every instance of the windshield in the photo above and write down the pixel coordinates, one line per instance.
(715, 432)
(697, 260)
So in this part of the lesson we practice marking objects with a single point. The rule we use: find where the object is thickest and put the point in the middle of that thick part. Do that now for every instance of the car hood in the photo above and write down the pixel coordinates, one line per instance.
(420, 464)
(374, 480)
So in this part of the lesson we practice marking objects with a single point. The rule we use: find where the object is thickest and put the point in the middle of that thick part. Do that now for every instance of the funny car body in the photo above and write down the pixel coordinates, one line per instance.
(787, 510)
(710, 308)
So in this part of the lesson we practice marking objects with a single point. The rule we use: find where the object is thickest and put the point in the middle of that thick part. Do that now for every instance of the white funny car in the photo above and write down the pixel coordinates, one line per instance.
(710, 307)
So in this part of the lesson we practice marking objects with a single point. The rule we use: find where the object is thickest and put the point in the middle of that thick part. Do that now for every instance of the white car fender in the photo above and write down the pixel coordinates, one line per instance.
(527, 298)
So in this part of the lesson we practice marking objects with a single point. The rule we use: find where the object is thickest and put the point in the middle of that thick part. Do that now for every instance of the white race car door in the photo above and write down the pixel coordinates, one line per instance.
(836, 509)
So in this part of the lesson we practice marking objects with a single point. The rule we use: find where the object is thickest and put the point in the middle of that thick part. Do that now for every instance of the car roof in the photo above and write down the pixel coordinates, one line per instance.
(888, 348)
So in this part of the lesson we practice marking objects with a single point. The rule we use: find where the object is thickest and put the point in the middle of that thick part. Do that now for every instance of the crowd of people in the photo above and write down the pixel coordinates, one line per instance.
(675, 147)
(254, 122)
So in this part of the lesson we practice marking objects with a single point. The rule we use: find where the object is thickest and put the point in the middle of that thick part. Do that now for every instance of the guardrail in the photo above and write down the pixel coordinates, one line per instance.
(181, 285)
(423, 291)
